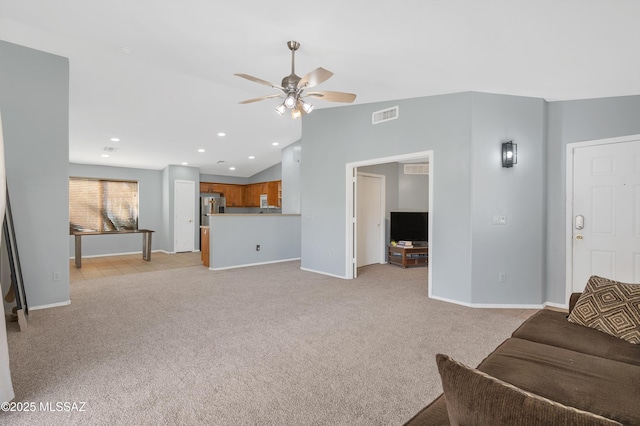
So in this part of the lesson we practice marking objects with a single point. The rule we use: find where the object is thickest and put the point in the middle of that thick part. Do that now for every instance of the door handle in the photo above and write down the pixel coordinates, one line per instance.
(579, 222)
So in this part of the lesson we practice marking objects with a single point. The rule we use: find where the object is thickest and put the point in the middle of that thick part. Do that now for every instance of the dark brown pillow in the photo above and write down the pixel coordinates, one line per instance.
(475, 398)
(611, 307)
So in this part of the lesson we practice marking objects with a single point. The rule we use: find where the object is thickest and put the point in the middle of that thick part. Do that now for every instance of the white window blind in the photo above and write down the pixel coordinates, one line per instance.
(102, 205)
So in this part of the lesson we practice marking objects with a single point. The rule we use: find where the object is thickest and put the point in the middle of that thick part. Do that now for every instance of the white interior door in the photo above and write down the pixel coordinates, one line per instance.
(370, 219)
(606, 212)
(184, 214)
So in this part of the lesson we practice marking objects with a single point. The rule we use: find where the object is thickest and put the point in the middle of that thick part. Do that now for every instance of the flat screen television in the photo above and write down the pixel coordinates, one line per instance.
(410, 226)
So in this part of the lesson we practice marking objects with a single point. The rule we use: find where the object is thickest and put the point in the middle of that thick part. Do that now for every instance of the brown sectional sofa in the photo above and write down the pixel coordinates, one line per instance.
(571, 364)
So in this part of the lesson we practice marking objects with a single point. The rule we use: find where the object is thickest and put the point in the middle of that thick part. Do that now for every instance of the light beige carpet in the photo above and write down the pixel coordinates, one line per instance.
(265, 345)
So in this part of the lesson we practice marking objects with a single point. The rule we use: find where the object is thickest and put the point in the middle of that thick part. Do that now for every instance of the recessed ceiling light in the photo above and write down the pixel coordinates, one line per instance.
(222, 134)
(115, 139)
(105, 155)
(232, 168)
(275, 144)
(184, 164)
(201, 150)
(251, 157)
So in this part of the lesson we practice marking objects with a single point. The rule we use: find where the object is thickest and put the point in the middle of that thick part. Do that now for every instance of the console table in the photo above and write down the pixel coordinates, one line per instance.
(146, 241)
(413, 256)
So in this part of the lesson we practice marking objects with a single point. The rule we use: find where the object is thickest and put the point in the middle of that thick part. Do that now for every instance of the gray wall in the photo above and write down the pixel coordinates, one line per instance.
(291, 187)
(517, 248)
(575, 121)
(413, 191)
(464, 131)
(223, 179)
(267, 175)
(150, 190)
(34, 101)
(277, 235)
(333, 137)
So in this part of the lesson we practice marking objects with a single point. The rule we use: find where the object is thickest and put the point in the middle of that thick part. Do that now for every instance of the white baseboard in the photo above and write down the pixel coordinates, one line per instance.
(342, 277)
(51, 305)
(494, 305)
(557, 305)
(253, 264)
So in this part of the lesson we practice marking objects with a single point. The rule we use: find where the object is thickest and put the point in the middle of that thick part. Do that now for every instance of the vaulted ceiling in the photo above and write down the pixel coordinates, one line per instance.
(158, 74)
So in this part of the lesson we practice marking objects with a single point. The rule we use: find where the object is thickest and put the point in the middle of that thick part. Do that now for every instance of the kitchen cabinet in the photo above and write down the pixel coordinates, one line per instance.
(252, 195)
(234, 195)
(207, 187)
(274, 193)
(245, 195)
(204, 244)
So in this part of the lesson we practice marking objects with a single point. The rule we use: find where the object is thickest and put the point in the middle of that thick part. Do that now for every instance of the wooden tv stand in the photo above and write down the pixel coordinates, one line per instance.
(405, 257)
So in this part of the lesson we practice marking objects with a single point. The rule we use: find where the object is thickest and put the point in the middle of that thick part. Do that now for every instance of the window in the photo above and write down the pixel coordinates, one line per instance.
(102, 205)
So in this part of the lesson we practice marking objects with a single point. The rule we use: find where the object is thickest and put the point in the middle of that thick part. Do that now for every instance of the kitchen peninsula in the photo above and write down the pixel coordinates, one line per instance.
(237, 240)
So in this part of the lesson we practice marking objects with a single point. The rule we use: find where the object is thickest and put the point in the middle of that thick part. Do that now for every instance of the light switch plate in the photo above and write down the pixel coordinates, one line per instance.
(499, 220)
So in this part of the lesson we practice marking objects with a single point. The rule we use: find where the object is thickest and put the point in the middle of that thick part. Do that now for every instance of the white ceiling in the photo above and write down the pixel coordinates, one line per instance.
(176, 90)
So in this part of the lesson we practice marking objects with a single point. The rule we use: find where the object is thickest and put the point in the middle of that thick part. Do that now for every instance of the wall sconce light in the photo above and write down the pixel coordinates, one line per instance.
(509, 154)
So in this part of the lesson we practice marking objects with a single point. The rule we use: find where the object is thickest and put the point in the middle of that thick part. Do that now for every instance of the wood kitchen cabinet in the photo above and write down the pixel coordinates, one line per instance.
(246, 195)
(274, 191)
(207, 187)
(252, 195)
(204, 244)
(234, 194)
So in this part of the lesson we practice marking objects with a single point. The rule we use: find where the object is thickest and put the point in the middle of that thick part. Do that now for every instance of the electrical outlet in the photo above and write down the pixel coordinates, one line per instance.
(502, 277)
(56, 276)
(258, 247)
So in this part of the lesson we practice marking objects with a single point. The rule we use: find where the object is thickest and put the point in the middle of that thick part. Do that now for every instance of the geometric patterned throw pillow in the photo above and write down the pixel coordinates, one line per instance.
(610, 307)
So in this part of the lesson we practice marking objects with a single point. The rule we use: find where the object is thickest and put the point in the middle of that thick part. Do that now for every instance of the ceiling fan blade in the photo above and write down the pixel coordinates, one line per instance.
(259, 80)
(261, 98)
(314, 78)
(333, 96)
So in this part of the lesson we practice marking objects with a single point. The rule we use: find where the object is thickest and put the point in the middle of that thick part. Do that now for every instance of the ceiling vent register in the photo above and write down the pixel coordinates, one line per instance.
(416, 169)
(385, 115)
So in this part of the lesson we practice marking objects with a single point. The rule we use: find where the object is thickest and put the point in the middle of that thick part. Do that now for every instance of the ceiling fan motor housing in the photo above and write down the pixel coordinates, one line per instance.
(290, 82)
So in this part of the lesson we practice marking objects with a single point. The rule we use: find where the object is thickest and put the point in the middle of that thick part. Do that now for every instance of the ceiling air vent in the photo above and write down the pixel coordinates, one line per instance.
(385, 115)
(416, 169)
(110, 149)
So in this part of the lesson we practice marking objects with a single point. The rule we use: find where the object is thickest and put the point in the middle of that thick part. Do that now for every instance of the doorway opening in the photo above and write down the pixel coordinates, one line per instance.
(351, 219)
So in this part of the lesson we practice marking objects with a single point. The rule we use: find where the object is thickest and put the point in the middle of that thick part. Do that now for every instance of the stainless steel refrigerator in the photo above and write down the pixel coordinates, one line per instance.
(211, 205)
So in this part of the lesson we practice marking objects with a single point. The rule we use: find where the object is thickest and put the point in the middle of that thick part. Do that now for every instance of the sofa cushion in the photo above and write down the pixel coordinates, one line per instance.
(552, 328)
(611, 307)
(601, 386)
(476, 398)
(434, 414)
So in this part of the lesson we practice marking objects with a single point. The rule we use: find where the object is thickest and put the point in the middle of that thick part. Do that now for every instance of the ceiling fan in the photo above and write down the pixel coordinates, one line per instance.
(292, 88)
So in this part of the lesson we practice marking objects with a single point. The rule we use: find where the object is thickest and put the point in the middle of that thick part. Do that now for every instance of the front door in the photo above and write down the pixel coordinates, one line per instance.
(184, 208)
(606, 212)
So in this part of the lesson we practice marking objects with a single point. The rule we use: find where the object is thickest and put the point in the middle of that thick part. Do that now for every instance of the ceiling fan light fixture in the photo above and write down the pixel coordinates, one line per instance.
(306, 107)
(293, 88)
(290, 101)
